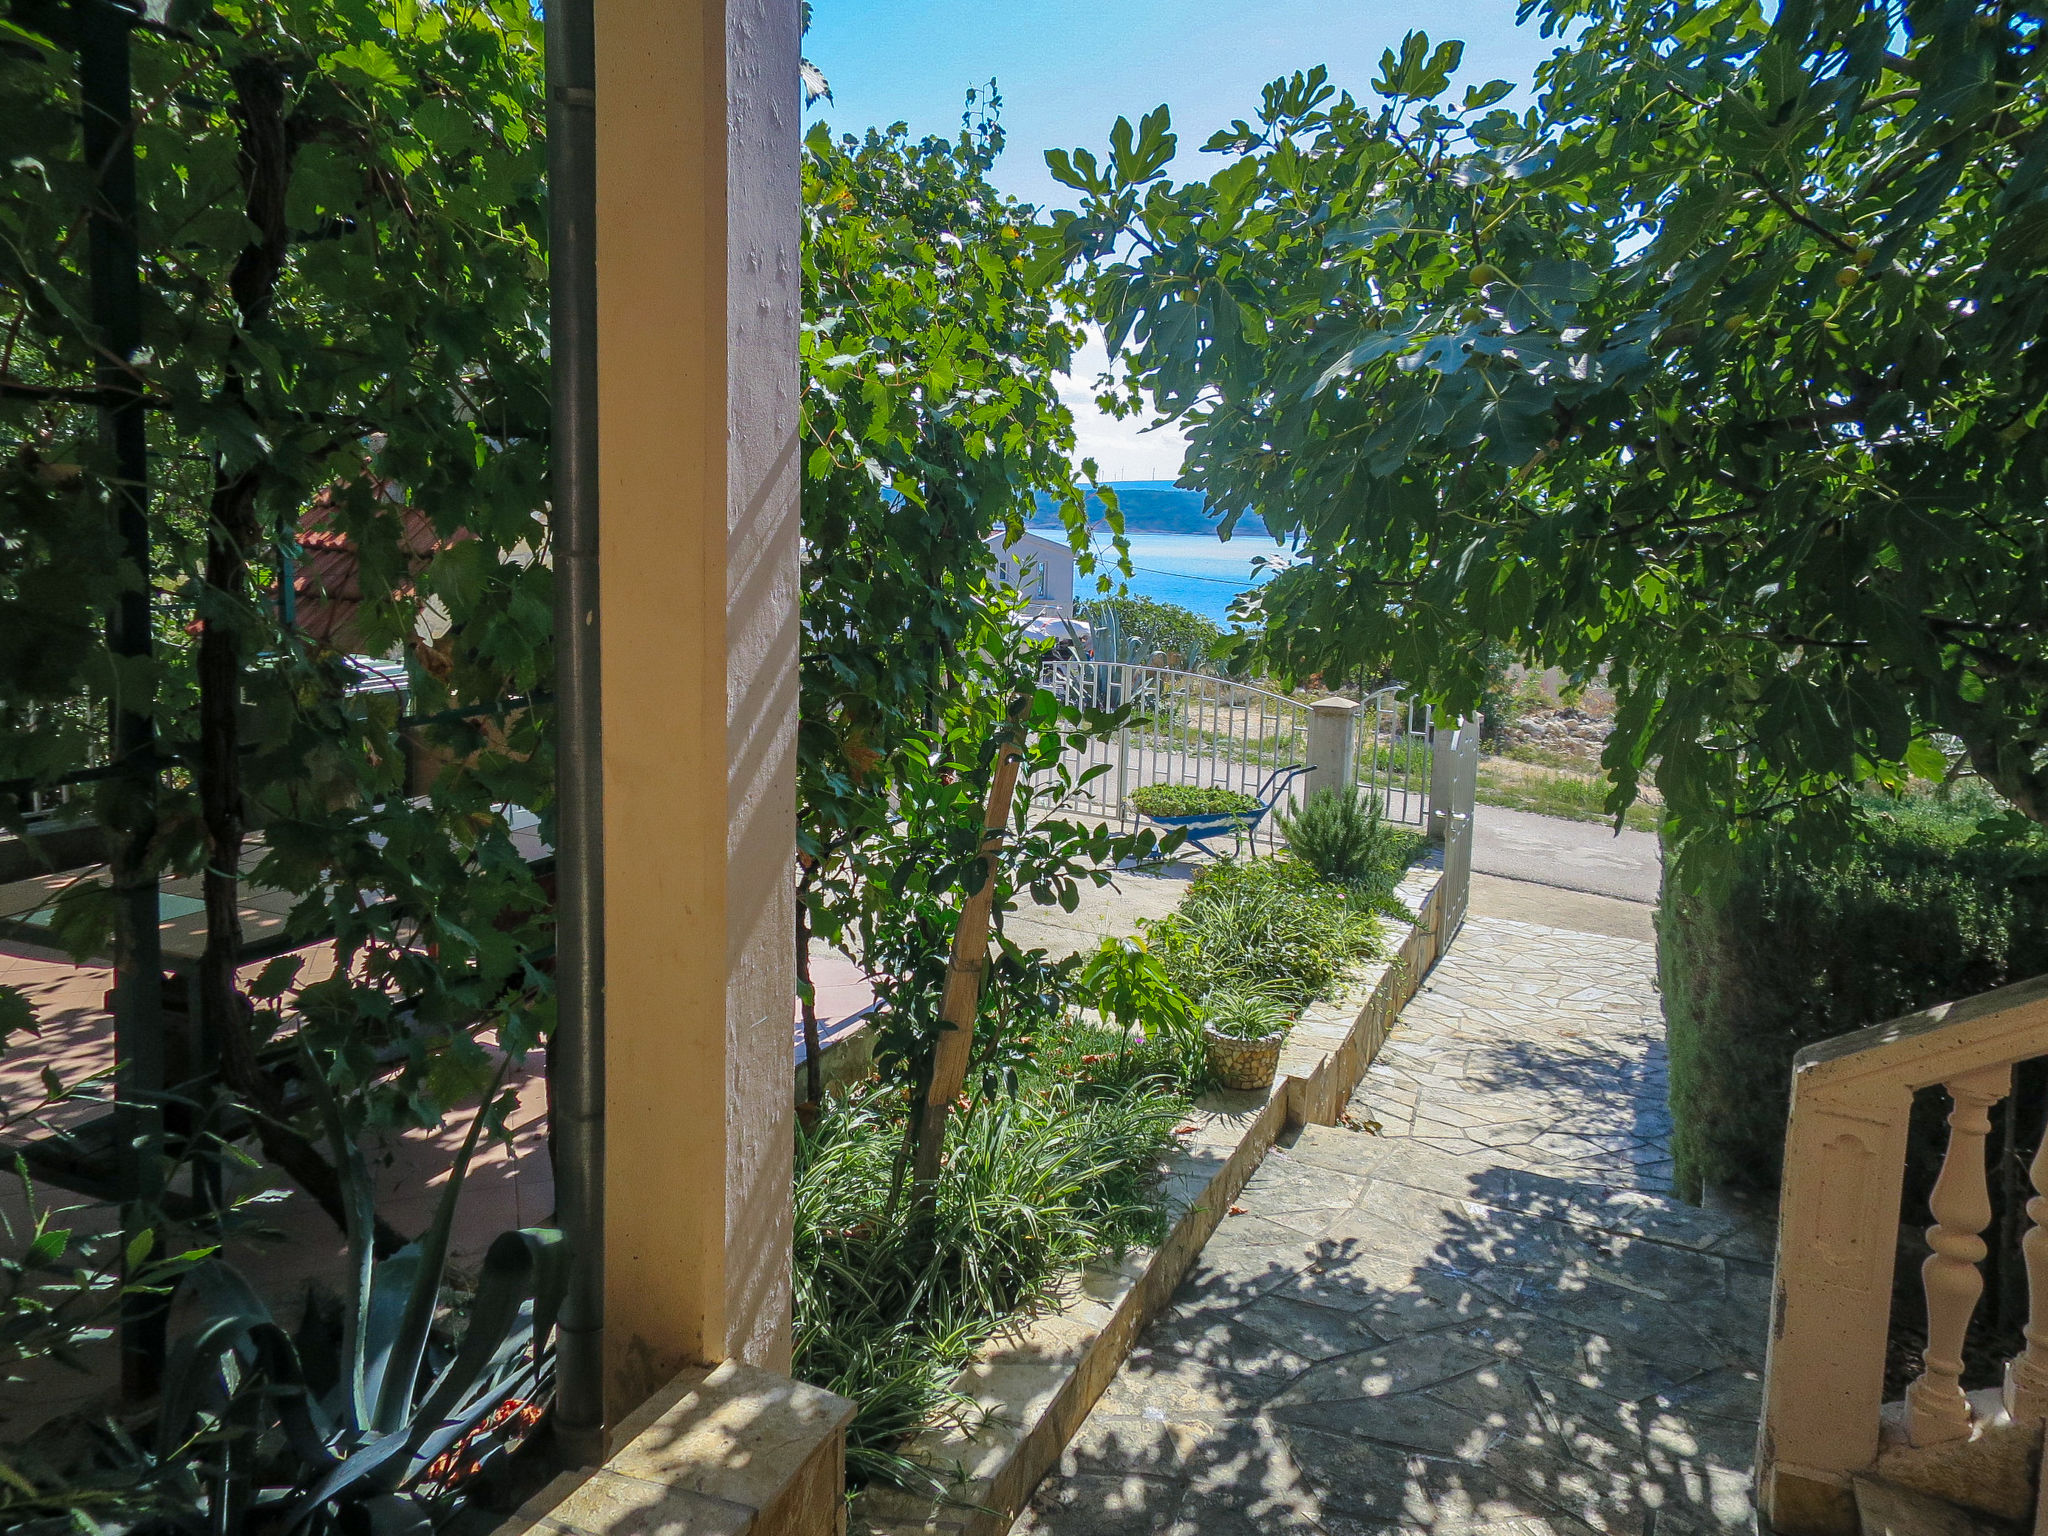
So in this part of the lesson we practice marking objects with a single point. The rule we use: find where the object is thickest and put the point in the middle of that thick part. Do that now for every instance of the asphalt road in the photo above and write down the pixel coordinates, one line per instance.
(1572, 855)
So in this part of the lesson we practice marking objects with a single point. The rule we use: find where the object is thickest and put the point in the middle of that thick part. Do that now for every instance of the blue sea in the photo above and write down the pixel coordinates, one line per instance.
(1196, 570)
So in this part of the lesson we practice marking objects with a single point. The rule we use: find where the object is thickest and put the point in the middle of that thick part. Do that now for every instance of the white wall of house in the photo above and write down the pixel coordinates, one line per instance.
(1040, 568)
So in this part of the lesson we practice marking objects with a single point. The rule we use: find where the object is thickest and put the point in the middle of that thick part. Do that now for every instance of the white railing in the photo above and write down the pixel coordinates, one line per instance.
(1186, 728)
(1197, 729)
(1845, 1153)
(1395, 756)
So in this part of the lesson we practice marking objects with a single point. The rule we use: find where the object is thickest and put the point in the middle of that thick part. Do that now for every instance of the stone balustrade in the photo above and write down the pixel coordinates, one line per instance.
(1824, 1421)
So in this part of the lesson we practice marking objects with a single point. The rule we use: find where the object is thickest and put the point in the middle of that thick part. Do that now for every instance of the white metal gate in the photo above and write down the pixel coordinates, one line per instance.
(1193, 728)
(1187, 728)
(1393, 755)
(1454, 784)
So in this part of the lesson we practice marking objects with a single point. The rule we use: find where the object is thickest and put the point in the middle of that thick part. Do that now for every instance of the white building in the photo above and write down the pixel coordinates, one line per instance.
(1040, 568)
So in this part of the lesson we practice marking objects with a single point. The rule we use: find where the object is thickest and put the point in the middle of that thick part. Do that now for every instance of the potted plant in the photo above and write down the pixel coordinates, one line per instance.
(1242, 1033)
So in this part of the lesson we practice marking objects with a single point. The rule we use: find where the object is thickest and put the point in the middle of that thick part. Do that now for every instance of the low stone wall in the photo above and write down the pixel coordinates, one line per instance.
(844, 1061)
(721, 1451)
(1035, 1384)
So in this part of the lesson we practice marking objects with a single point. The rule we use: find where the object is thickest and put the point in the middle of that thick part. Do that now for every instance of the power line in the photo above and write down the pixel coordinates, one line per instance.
(1224, 581)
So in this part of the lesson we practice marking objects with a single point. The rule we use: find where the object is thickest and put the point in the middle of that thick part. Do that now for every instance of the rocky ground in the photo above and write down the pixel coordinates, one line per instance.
(1574, 735)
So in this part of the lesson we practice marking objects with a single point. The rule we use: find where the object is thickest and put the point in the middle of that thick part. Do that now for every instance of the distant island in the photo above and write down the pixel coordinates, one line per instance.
(1153, 506)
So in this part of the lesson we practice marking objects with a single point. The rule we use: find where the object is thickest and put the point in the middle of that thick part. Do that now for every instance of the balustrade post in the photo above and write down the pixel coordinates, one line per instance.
(1936, 1409)
(2026, 1375)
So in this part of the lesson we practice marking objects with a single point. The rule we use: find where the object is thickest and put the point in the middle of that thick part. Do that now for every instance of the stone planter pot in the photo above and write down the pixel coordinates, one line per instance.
(1246, 1065)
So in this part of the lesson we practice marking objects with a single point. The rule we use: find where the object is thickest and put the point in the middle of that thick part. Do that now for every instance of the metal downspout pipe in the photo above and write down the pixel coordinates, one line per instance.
(576, 1052)
(113, 260)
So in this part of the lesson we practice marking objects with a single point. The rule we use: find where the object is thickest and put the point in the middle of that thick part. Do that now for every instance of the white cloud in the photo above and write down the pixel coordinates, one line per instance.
(1122, 449)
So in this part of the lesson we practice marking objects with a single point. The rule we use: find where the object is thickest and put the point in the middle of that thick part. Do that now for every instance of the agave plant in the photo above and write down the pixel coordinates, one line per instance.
(261, 1429)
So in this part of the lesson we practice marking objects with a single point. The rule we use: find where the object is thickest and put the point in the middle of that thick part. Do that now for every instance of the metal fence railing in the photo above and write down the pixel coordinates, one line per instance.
(1187, 728)
(1395, 757)
(1198, 729)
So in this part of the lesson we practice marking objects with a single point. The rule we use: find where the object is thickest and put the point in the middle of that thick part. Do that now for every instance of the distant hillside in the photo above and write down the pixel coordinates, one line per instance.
(1154, 506)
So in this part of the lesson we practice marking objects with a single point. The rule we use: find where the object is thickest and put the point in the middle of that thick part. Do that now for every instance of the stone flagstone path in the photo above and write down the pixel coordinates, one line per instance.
(1537, 1049)
(1489, 1317)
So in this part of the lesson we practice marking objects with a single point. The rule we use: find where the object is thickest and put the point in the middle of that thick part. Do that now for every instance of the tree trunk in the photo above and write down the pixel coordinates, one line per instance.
(963, 971)
(232, 531)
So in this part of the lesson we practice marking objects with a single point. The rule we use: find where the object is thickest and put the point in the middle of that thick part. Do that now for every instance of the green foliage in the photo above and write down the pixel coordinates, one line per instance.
(1721, 367)
(1271, 926)
(332, 1427)
(1034, 1185)
(1790, 944)
(62, 1280)
(1566, 795)
(1242, 1015)
(1342, 835)
(1157, 626)
(1191, 800)
(901, 886)
(1504, 697)
(931, 420)
(360, 313)
(342, 1431)
(343, 300)
(1124, 982)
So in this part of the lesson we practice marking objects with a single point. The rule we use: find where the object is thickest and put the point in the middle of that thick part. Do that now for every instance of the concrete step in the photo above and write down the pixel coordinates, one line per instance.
(1885, 1508)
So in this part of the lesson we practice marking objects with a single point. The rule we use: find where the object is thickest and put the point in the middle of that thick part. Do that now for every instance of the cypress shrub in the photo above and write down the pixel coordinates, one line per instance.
(1341, 835)
(1788, 948)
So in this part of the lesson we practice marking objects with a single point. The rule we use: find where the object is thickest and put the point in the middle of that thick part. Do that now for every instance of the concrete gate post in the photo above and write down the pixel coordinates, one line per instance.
(1332, 746)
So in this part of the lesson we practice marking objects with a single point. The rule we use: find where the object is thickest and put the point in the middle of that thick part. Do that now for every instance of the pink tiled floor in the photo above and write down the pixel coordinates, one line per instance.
(282, 1241)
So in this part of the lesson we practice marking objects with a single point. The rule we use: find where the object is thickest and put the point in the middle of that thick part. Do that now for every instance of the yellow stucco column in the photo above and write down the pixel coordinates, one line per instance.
(698, 307)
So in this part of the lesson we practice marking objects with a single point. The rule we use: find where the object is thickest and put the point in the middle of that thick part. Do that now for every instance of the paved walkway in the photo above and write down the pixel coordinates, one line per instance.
(1484, 1318)
(1576, 855)
(1534, 1048)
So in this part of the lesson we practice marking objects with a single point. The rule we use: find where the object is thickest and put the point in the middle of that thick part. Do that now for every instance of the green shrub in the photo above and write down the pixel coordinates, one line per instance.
(1191, 800)
(1791, 947)
(1035, 1184)
(1242, 1015)
(1504, 697)
(1341, 835)
(1157, 626)
(1272, 926)
(1123, 981)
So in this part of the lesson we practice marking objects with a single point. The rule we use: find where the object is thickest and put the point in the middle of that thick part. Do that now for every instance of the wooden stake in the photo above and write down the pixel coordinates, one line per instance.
(963, 978)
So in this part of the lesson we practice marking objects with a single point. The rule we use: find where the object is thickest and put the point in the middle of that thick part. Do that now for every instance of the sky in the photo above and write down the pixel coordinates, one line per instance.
(1067, 69)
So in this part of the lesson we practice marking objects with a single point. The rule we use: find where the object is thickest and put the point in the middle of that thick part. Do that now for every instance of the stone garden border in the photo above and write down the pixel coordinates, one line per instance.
(1035, 1383)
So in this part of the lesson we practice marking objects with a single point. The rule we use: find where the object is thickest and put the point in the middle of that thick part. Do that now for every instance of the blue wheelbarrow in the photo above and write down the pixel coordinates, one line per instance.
(1239, 824)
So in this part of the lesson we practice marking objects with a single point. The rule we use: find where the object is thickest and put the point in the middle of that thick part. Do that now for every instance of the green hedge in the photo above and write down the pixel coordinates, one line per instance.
(1160, 626)
(1789, 950)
